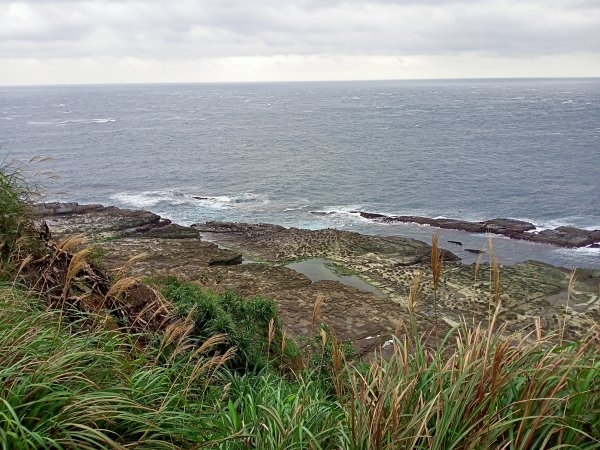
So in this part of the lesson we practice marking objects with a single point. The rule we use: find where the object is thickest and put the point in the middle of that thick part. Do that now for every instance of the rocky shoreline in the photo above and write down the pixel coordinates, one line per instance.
(211, 254)
(564, 236)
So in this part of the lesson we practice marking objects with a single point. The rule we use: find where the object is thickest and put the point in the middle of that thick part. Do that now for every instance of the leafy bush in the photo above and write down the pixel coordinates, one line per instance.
(244, 321)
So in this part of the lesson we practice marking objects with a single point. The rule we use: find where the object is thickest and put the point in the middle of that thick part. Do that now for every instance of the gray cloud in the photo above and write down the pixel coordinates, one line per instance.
(158, 29)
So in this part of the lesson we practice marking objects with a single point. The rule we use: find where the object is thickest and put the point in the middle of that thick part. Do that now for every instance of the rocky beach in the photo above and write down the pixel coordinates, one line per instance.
(253, 259)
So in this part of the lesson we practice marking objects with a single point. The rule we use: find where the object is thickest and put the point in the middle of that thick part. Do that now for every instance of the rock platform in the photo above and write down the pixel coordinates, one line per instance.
(530, 291)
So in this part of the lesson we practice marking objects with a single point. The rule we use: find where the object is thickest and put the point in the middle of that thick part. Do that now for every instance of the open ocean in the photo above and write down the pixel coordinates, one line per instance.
(274, 152)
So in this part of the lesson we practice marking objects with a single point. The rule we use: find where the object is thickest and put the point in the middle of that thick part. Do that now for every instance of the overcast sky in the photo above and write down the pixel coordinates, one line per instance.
(98, 41)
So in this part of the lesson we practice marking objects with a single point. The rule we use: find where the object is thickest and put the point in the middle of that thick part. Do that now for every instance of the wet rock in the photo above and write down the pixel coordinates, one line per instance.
(475, 251)
(371, 216)
(236, 259)
(410, 219)
(59, 208)
(167, 231)
(456, 242)
(563, 236)
(570, 237)
(503, 226)
(453, 224)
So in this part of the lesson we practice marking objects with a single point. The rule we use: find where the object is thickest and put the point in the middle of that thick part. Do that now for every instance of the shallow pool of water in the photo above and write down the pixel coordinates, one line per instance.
(317, 269)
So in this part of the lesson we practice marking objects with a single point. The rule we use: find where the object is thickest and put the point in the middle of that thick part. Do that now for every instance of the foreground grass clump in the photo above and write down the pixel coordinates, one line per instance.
(17, 234)
(271, 412)
(66, 386)
(478, 390)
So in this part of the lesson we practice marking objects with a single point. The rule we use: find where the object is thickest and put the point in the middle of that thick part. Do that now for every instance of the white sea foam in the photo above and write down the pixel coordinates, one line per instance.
(141, 200)
(341, 215)
(583, 222)
(581, 251)
(166, 199)
(296, 208)
(88, 121)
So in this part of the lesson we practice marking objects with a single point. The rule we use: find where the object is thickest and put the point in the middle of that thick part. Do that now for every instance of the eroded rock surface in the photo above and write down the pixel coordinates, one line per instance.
(278, 244)
(529, 290)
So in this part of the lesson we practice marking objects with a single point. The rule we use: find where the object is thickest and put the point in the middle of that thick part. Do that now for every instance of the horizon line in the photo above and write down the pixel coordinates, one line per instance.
(162, 83)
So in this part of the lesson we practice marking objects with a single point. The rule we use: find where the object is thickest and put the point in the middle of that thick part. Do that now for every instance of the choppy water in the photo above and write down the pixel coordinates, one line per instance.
(526, 149)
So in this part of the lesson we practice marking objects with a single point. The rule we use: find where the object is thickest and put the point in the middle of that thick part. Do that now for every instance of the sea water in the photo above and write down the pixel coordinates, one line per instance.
(278, 152)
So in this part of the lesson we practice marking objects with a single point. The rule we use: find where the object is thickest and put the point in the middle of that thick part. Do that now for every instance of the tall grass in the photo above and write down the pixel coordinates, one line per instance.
(270, 412)
(81, 388)
(16, 227)
(478, 390)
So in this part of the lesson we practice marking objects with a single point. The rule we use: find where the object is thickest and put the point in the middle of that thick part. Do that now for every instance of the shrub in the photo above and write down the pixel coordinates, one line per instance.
(245, 321)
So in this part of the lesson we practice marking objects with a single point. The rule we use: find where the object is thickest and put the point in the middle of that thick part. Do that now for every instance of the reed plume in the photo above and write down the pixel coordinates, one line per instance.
(78, 261)
(570, 289)
(317, 307)
(436, 260)
(436, 273)
(412, 295)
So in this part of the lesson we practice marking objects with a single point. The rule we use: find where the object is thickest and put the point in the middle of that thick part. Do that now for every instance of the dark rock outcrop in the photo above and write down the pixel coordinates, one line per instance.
(475, 251)
(59, 208)
(231, 261)
(508, 226)
(570, 237)
(67, 218)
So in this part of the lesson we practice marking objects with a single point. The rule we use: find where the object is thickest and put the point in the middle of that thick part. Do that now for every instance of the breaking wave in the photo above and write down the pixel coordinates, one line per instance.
(171, 198)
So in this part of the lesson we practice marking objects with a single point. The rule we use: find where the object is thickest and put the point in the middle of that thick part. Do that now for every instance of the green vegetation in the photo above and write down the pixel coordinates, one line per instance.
(244, 322)
(340, 269)
(87, 362)
(15, 223)
(71, 387)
